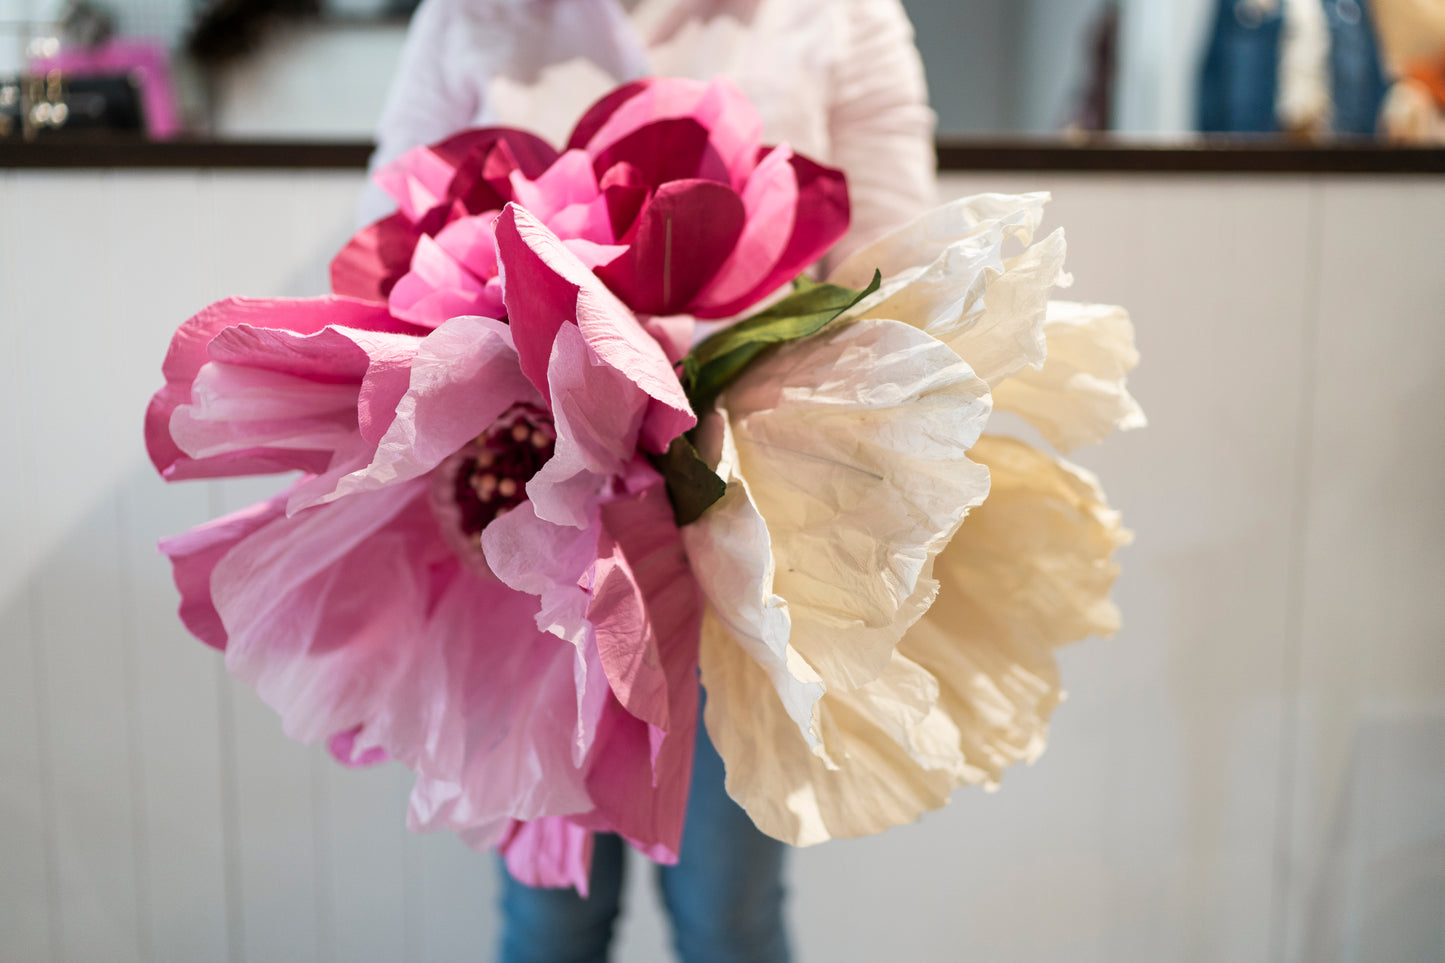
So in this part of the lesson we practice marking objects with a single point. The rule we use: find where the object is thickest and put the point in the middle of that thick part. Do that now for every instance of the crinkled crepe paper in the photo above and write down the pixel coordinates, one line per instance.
(845, 457)
(947, 273)
(1029, 570)
(887, 740)
(971, 686)
(1078, 397)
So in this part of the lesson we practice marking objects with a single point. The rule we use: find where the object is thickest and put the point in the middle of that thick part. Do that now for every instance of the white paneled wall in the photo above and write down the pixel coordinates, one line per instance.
(1253, 770)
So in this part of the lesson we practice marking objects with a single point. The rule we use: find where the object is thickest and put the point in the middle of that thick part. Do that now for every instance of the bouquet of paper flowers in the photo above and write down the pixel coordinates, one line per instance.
(531, 513)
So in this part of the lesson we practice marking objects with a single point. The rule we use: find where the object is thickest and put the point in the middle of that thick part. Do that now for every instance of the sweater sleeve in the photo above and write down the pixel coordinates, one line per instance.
(434, 92)
(880, 124)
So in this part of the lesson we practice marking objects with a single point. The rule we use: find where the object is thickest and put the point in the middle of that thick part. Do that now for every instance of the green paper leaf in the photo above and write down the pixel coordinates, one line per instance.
(719, 360)
(691, 485)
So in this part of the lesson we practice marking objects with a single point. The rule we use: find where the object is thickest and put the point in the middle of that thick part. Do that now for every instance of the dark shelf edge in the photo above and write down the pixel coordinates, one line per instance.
(1206, 157)
(161, 155)
(1203, 157)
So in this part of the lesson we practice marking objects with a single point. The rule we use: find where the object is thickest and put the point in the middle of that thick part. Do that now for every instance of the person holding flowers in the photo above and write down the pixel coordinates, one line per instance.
(838, 81)
(536, 506)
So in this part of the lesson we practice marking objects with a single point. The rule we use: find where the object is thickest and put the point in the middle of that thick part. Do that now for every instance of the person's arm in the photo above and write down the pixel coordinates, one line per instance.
(436, 91)
(880, 124)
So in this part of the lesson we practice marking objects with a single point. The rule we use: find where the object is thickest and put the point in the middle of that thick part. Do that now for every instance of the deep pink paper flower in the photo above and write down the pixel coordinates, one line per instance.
(467, 174)
(665, 190)
(711, 220)
(479, 575)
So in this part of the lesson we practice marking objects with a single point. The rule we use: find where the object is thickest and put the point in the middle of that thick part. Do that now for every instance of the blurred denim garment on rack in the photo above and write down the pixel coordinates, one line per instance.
(1239, 81)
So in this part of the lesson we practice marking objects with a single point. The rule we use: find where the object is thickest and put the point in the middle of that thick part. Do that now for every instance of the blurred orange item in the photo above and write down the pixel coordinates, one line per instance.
(1429, 74)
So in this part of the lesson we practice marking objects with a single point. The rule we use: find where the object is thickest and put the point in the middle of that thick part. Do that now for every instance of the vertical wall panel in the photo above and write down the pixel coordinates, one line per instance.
(26, 868)
(1367, 854)
(151, 808)
(1216, 273)
(456, 902)
(363, 811)
(257, 240)
(154, 287)
(1145, 832)
(84, 443)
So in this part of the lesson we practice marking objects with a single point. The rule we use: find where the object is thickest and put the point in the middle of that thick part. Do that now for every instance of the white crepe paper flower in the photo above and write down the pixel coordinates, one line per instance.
(867, 648)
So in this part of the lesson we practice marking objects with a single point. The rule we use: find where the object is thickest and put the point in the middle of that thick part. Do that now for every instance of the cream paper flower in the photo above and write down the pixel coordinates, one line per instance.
(866, 650)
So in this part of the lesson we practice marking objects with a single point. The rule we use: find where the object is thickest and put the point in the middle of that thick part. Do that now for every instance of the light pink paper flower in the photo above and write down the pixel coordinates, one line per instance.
(480, 575)
(665, 190)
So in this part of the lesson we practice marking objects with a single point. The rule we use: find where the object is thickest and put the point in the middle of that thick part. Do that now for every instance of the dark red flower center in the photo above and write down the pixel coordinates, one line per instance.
(491, 473)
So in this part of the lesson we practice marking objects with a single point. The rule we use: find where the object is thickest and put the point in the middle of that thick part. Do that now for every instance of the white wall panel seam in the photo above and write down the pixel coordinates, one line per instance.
(321, 843)
(1281, 863)
(128, 636)
(225, 698)
(10, 241)
(39, 640)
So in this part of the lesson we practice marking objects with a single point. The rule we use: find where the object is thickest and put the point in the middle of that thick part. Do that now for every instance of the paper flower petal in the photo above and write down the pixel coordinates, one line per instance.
(546, 286)
(852, 444)
(774, 249)
(947, 273)
(720, 108)
(190, 350)
(770, 203)
(646, 608)
(639, 782)
(681, 238)
(195, 554)
(311, 604)
(371, 262)
(598, 412)
(1029, 570)
(427, 176)
(464, 375)
(441, 284)
(791, 793)
(552, 852)
(278, 392)
(567, 183)
(537, 556)
(512, 714)
(731, 549)
(626, 628)
(1079, 395)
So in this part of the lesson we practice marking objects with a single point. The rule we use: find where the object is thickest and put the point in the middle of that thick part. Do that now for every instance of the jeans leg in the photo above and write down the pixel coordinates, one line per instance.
(725, 895)
(557, 925)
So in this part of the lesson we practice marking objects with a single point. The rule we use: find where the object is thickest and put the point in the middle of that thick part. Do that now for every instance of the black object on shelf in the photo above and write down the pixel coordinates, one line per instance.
(49, 105)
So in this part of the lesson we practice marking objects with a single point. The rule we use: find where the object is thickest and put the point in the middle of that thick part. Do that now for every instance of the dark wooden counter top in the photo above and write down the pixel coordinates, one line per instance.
(1099, 156)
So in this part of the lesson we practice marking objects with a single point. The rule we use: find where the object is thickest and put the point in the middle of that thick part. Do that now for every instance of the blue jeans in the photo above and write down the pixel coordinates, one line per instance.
(724, 896)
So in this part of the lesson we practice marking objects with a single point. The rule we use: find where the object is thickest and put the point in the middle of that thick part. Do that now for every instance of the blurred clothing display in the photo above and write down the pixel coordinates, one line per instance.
(1241, 67)
(1310, 67)
(1093, 109)
(1302, 101)
(1411, 31)
(1414, 111)
(140, 62)
(1412, 38)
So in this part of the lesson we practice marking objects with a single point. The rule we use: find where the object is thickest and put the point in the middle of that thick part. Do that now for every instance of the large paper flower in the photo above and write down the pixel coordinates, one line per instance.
(866, 648)
(664, 189)
(481, 576)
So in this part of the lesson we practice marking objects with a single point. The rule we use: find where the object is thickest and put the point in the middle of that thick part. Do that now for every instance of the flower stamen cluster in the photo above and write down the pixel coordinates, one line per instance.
(492, 472)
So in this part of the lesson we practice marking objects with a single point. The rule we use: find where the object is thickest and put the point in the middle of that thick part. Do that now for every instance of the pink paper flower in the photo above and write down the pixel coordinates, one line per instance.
(687, 172)
(479, 574)
(665, 190)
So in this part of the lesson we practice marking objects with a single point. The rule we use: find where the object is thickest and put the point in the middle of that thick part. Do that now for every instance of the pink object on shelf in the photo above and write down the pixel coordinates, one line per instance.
(143, 58)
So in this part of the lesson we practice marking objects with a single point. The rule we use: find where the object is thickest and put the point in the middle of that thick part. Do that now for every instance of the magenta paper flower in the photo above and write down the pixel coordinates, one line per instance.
(665, 190)
(479, 574)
